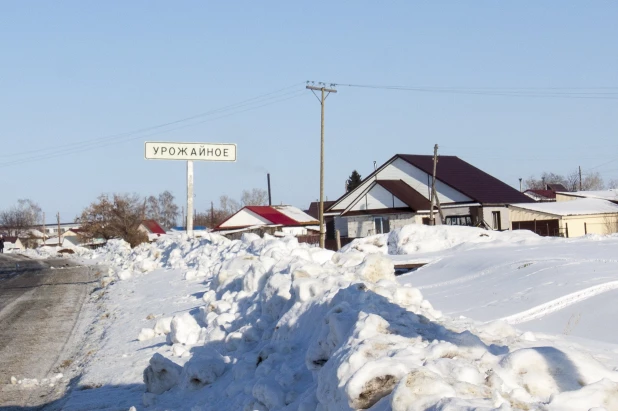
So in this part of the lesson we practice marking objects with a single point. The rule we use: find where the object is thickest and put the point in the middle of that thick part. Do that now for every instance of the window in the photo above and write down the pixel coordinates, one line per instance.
(381, 225)
(459, 220)
(496, 220)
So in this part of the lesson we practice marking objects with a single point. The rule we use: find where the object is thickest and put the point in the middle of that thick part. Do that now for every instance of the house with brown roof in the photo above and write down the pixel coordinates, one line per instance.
(398, 193)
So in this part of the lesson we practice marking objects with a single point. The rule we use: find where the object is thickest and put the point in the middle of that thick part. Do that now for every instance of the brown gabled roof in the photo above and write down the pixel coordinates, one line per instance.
(412, 198)
(313, 210)
(469, 180)
(556, 187)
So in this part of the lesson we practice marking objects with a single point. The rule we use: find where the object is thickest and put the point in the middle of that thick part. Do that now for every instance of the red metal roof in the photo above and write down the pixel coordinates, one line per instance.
(273, 215)
(153, 227)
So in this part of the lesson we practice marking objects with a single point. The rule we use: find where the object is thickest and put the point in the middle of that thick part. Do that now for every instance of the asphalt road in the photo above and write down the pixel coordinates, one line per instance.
(39, 310)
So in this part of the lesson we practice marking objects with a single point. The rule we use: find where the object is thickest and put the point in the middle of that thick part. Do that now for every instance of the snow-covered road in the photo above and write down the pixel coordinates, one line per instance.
(38, 313)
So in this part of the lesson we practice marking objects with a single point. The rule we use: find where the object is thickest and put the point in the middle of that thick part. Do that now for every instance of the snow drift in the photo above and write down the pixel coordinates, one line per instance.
(286, 326)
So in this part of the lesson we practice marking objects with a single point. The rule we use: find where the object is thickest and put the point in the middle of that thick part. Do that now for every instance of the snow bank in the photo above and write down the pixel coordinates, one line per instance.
(285, 326)
(416, 238)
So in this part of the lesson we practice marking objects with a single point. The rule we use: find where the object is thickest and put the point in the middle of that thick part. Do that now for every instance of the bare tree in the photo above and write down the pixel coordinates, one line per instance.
(153, 209)
(118, 216)
(590, 181)
(228, 205)
(255, 197)
(169, 210)
(612, 184)
(18, 220)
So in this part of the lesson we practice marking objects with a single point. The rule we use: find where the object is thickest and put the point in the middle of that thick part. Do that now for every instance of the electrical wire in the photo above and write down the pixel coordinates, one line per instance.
(590, 93)
(257, 99)
(102, 144)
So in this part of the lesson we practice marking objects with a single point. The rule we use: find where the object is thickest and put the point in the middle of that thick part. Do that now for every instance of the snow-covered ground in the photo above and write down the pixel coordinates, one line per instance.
(268, 324)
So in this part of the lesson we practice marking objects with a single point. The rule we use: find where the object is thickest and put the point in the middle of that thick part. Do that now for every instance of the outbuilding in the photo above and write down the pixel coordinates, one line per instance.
(574, 218)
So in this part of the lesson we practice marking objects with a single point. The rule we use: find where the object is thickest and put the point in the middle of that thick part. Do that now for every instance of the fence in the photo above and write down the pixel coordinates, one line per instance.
(329, 244)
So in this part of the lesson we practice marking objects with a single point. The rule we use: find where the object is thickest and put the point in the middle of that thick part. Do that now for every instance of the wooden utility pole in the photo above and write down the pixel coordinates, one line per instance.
(58, 218)
(212, 215)
(325, 93)
(43, 227)
(580, 178)
(432, 219)
(434, 193)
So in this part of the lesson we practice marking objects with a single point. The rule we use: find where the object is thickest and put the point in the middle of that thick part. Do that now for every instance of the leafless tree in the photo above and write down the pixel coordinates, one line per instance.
(612, 184)
(118, 216)
(162, 209)
(169, 210)
(590, 181)
(18, 220)
(255, 197)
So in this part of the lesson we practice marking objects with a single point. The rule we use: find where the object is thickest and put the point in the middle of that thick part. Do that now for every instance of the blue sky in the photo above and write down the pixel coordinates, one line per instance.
(75, 71)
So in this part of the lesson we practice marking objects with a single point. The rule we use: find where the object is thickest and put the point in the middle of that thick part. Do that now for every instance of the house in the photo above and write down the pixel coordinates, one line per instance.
(152, 229)
(547, 194)
(574, 218)
(13, 243)
(282, 220)
(329, 218)
(610, 195)
(398, 193)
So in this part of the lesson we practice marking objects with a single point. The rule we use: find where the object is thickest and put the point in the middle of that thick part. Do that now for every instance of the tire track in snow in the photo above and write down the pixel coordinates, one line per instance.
(560, 303)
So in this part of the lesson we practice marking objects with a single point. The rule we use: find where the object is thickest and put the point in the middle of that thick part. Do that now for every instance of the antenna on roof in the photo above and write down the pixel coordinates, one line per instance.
(375, 165)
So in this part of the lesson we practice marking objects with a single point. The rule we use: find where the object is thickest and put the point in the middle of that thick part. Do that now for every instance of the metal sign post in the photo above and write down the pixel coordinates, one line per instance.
(189, 152)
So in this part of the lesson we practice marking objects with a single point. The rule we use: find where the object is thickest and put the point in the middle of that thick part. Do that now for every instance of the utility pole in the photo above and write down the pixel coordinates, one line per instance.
(580, 178)
(212, 215)
(184, 222)
(433, 183)
(323, 89)
(43, 227)
(58, 218)
(190, 198)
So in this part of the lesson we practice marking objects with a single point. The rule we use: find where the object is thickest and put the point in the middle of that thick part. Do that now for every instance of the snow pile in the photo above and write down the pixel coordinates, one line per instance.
(416, 238)
(286, 326)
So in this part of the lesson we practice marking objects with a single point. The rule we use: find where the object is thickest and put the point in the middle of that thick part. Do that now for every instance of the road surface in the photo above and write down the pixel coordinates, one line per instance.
(39, 309)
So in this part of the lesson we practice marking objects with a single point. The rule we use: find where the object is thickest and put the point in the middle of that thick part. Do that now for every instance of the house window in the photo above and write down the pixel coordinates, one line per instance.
(496, 220)
(381, 225)
(459, 220)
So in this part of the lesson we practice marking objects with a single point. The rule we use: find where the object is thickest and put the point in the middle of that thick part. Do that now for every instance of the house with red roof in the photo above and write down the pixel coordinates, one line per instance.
(151, 228)
(398, 193)
(283, 220)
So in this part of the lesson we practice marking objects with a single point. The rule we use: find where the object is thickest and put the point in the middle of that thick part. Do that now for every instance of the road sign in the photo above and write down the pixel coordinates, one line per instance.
(158, 150)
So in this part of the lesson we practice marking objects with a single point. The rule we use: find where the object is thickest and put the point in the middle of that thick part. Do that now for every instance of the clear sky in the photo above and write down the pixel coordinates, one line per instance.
(75, 75)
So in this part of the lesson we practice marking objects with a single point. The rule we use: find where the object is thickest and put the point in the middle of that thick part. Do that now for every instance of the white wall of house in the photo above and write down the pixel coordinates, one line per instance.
(377, 198)
(419, 180)
(505, 217)
(245, 218)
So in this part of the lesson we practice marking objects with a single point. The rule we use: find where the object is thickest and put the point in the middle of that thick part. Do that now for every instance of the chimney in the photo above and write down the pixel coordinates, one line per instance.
(269, 197)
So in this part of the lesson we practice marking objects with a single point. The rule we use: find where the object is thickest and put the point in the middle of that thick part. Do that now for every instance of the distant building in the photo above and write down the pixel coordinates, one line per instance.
(152, 229)
(610, 195)
(283, 220)
(546, 195)
(13, 243)
(574, 218)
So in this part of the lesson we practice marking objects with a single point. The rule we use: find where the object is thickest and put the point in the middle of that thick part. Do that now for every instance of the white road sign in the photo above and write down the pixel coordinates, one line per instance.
(158, 150)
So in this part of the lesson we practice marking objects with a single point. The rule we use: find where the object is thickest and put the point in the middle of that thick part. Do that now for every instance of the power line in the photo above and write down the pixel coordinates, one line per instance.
(102, 144)
(257, 99)
(507, 92)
